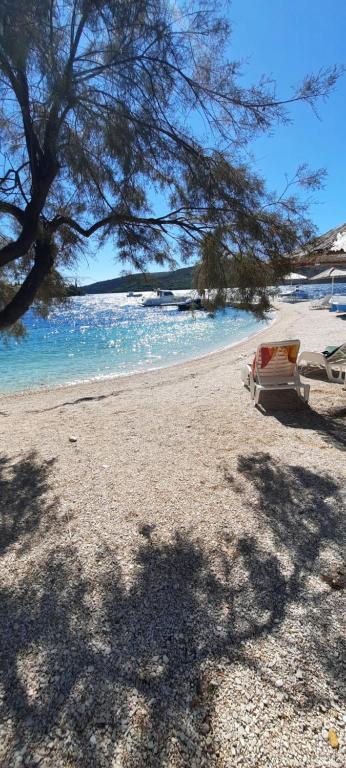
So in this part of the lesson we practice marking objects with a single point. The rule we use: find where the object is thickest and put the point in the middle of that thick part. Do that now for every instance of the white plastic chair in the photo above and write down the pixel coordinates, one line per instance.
(275, 368)
(334, 364)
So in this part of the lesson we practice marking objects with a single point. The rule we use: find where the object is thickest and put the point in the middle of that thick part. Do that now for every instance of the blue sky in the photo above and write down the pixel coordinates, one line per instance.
(285, 39)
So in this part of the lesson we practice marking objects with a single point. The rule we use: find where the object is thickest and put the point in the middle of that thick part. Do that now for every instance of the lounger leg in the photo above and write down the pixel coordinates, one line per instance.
(338, 378)
(303, 390)
(330, 373)
(257, 394)
(306, 392)
(245, 375)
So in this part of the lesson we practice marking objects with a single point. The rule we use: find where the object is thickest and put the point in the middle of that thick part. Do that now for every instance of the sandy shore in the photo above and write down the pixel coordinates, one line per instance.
(161, 593)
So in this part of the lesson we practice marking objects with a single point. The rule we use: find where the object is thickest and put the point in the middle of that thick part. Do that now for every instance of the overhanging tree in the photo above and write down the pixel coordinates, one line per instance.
(123, 119)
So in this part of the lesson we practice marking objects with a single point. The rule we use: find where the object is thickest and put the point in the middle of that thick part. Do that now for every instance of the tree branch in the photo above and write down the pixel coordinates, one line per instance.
(54, 122)
(12, 210)
(172, 219)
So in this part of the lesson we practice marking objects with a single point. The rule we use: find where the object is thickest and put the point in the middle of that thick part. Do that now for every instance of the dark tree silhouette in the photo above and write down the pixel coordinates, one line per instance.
(110, 109)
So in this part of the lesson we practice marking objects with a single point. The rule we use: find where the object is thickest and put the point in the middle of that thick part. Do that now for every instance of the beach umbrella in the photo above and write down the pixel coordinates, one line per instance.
(330, 274)
(295, 276)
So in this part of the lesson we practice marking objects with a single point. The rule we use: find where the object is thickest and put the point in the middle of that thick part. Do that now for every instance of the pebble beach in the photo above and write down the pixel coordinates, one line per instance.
(172, 568)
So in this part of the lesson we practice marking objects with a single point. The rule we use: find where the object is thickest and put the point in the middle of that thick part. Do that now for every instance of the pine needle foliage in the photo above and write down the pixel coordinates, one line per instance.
(123, 120)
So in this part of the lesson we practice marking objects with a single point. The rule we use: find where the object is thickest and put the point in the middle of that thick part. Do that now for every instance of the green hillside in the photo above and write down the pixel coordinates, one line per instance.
(179, 279)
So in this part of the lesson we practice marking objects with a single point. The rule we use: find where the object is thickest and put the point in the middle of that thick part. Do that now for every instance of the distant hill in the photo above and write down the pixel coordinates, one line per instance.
(179, 279)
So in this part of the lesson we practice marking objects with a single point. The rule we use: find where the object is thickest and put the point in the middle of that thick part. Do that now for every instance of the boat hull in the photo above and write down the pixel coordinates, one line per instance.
(157, 303)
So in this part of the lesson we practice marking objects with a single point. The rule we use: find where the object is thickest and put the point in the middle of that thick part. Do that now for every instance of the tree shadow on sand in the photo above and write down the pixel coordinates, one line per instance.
(107, 667)
(331, 426)
(305, 513)
(292, 412)
(23, 483)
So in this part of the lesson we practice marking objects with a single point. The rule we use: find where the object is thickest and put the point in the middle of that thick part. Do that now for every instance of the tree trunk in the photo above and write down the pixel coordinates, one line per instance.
(24, 297)
(30, 218)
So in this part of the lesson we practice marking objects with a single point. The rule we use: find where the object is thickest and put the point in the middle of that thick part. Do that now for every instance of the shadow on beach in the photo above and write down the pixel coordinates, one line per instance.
(95, 667)
(331, 426)
(294, 413)
(23, 483)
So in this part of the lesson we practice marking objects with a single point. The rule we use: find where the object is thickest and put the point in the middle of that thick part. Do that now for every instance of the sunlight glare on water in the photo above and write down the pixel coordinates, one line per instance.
(110, 334)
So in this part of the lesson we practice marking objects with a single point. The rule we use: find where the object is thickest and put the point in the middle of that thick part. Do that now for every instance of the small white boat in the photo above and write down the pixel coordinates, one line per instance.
(160, 299)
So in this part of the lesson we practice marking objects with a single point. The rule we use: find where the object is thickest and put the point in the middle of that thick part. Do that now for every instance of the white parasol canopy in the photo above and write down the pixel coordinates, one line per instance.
(295, 276)
(331, 274)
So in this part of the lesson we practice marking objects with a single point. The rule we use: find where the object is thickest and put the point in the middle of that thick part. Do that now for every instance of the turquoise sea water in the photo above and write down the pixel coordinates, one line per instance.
(110, 334)
(105, 335)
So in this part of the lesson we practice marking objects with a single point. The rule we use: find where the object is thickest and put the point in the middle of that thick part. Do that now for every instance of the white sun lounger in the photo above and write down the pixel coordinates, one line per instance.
(323, 303)
(334, 364)
(275, 368)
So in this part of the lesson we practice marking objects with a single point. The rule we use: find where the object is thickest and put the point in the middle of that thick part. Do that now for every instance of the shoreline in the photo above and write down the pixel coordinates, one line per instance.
(115, 376)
